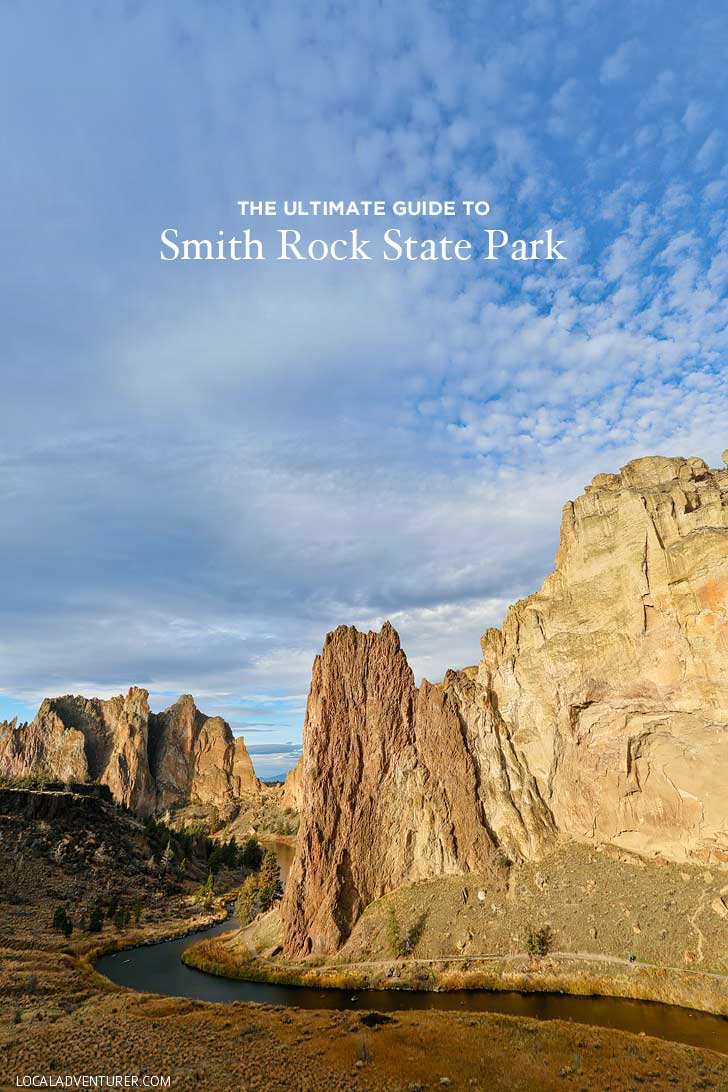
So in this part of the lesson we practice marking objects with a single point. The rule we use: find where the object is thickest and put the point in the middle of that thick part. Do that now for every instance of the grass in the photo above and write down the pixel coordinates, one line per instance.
(554, 974)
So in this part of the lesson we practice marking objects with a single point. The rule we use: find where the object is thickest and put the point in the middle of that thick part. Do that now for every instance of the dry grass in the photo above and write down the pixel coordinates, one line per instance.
(603, 901)
(262, 1049)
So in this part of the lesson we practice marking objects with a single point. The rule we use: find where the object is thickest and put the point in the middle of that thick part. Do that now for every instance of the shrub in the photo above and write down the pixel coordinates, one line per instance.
(61, 922)
(206, 892)
(121, 918)
(403, 942)
(394, 935)
(539, 942)
(96, 919)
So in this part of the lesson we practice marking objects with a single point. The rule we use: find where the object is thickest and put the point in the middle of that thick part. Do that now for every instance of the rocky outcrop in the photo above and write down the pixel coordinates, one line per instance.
(292, 794)
(393, 789)
(613, 677)
(149, 761)
(598, 712)
(86, 739)
(196, 759)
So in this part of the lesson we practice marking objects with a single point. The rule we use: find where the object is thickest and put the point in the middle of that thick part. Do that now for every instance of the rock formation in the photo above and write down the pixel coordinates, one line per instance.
(149, 761)
(292, 795)
(598, 712)
(195, 759)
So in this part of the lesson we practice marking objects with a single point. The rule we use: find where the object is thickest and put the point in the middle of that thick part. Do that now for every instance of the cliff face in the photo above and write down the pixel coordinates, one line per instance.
(599, 711)
(395, 787)
(613, 677)
(149, 761)
(196, 758)
(292, 795)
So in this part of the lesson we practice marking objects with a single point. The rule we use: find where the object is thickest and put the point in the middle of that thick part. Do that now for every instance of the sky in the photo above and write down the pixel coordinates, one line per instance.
(204, 467)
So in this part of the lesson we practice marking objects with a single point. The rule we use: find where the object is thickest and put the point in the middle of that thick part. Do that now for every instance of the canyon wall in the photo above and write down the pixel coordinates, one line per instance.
(598, 712)
(149, 761)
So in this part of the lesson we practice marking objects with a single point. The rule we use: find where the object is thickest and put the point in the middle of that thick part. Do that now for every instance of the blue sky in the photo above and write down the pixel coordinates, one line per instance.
(206, 466)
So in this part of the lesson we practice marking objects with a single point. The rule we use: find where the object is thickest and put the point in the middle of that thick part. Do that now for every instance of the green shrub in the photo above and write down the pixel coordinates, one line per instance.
(539, 942)
(121, 919)
(61, 921)
(402, 942)
(96, 919)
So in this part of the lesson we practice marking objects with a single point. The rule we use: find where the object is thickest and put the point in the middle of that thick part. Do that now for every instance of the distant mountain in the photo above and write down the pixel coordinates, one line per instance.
(150, 761)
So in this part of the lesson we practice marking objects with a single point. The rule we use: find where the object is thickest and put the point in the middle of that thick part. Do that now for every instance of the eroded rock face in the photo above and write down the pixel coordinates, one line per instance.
(292, 795)
(613, 677)
(390, 789)
(86, 739)
(598, 712)
(196, 758)
(149, 761)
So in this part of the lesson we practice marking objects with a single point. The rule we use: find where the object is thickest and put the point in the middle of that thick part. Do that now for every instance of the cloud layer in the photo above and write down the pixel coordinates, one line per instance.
(205, 469)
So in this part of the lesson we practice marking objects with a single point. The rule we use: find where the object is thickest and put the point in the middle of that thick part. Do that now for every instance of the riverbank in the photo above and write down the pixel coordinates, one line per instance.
(89, 951)
(617, 926)
(561, 973)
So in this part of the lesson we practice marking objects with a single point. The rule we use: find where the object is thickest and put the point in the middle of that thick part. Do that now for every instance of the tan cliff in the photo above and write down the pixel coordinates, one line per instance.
(196, 758)
(598, 712)
(613, 677)
(149, 761)
(292, 794)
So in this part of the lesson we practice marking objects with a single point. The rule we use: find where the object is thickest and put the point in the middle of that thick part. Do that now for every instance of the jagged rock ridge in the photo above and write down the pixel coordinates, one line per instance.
(149, 761)
(599, 712)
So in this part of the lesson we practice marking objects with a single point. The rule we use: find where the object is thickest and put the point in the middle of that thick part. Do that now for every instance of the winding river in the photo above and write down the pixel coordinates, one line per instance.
(159, 969)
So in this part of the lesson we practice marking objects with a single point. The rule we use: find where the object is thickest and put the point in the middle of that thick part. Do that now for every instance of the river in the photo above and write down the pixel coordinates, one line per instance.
(158, 968)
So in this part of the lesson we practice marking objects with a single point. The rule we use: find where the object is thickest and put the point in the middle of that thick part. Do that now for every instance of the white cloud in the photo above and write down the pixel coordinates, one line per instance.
(205, 470)
(619, 64)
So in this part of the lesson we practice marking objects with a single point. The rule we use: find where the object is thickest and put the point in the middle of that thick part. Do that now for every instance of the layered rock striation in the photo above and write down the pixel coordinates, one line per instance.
(599, 711)
(149, 761)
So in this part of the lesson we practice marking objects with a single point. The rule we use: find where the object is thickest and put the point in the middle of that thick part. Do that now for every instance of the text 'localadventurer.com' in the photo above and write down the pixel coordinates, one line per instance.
(93, 1080)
